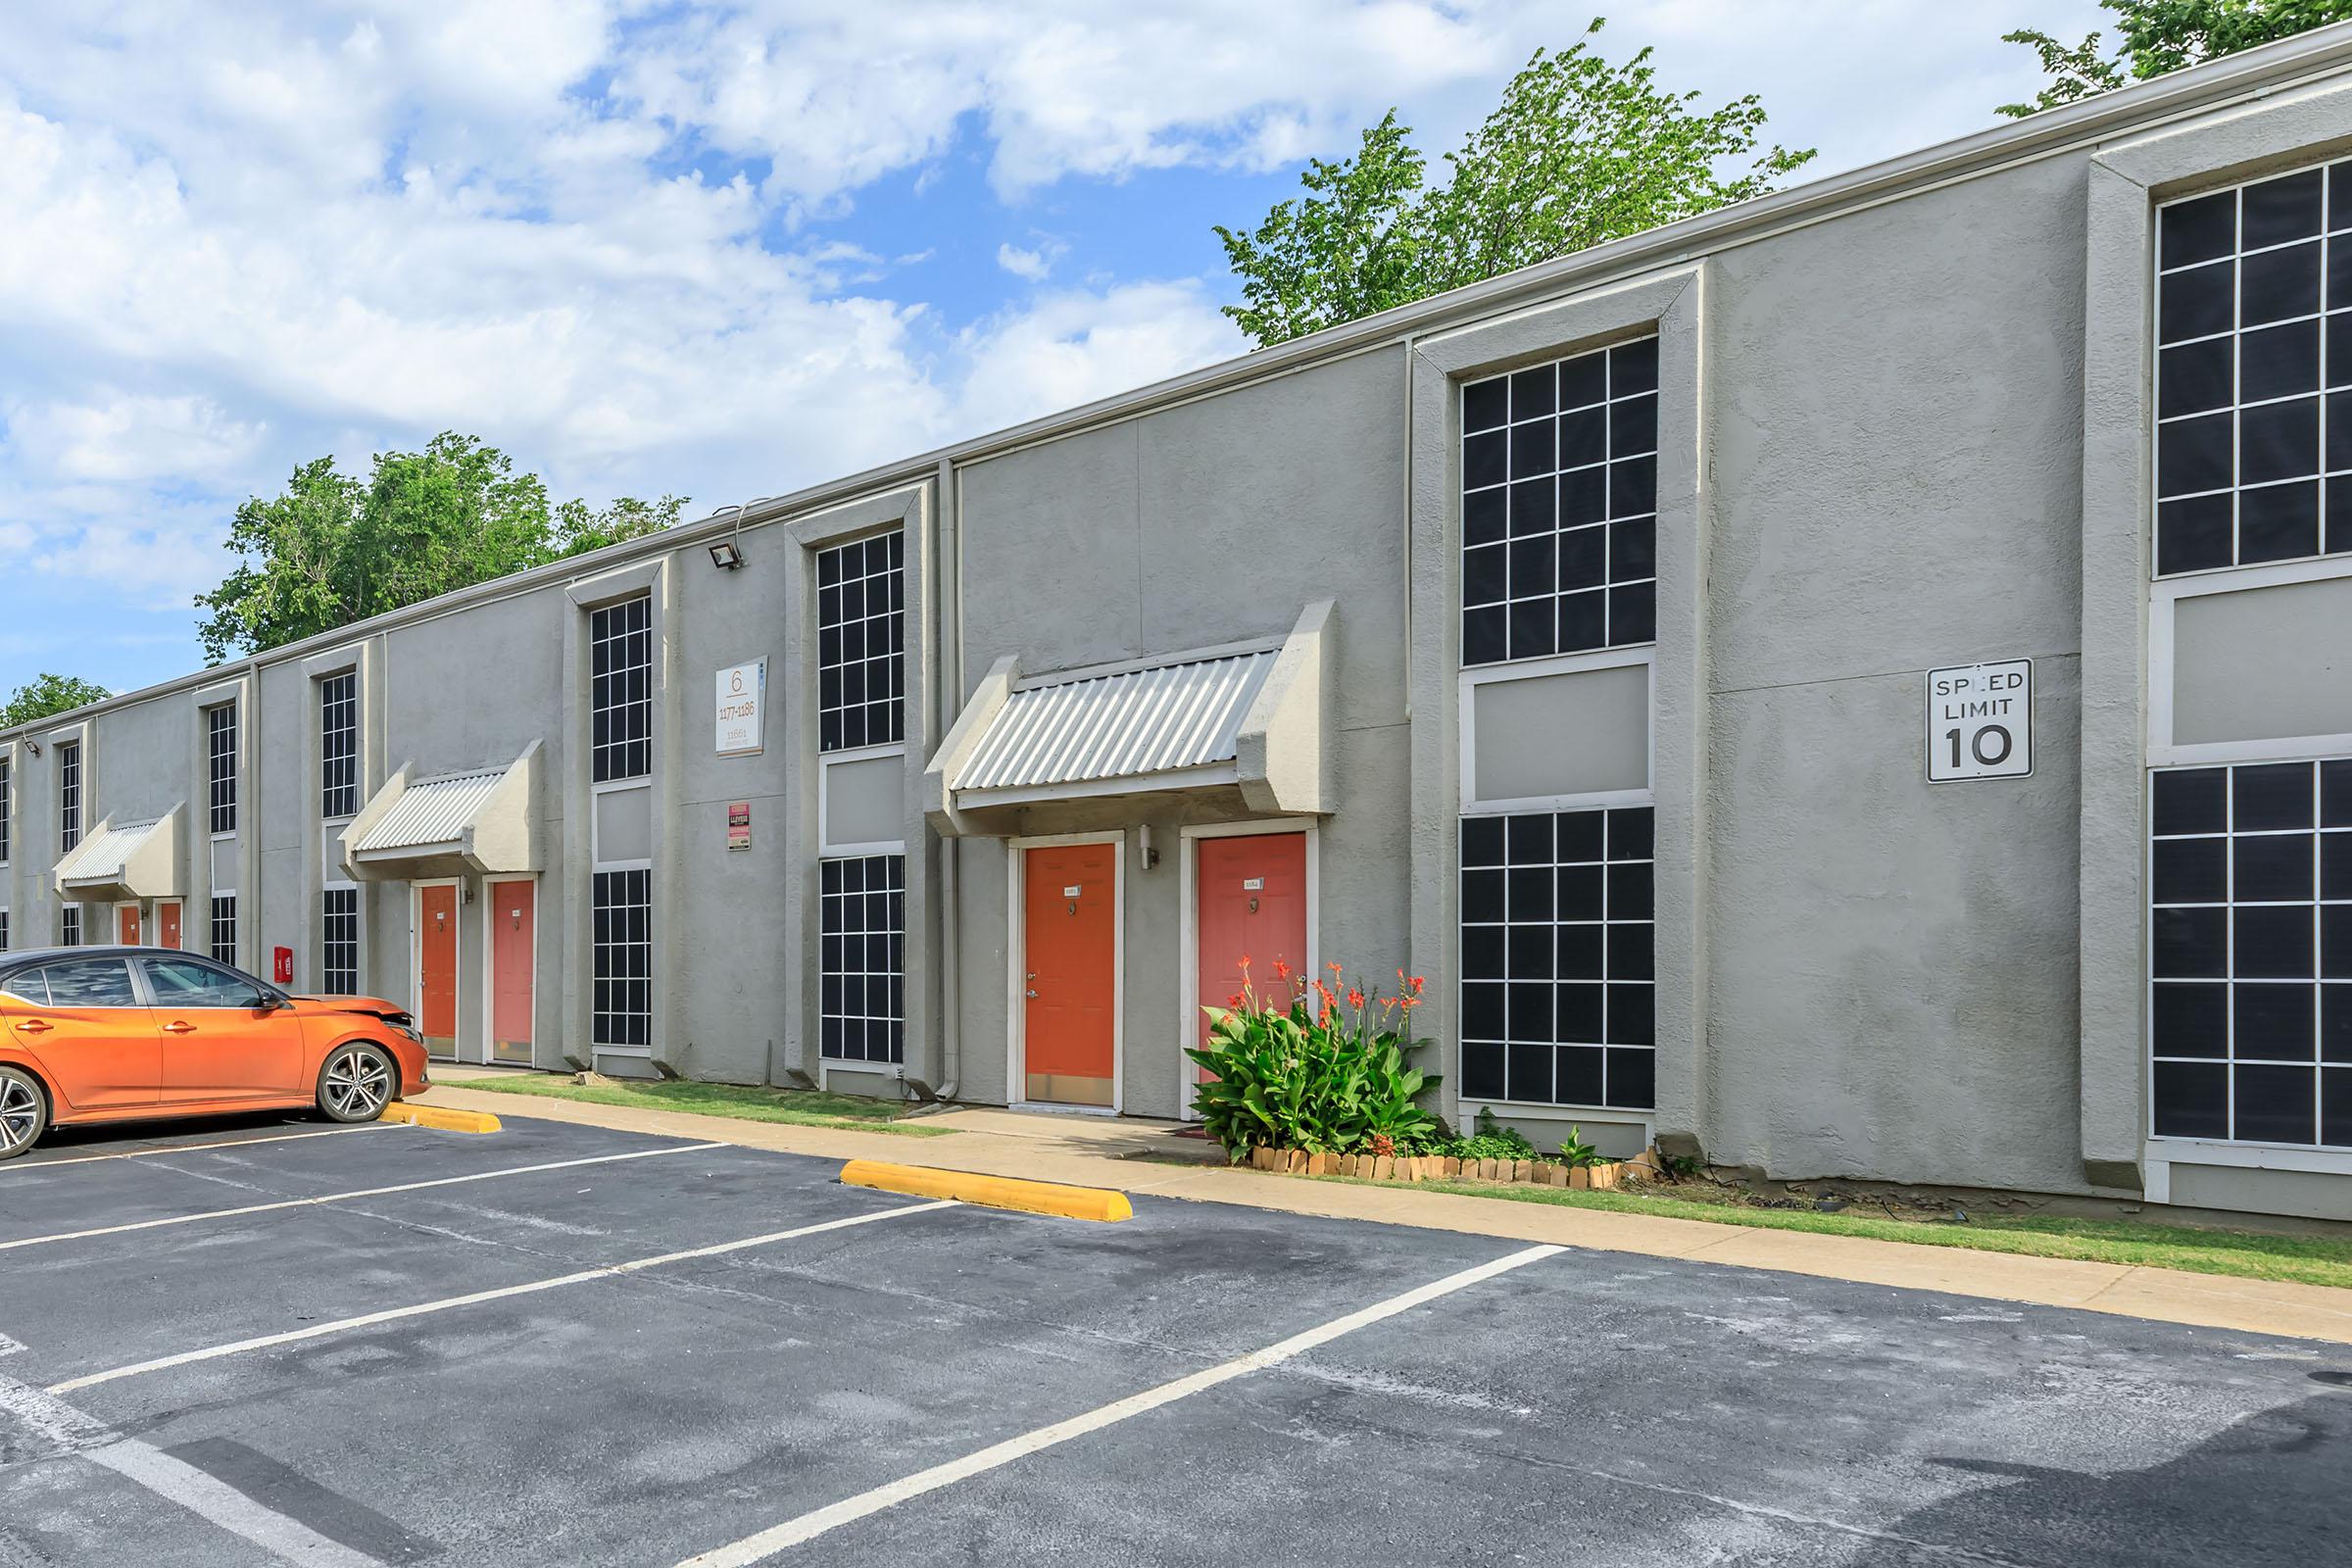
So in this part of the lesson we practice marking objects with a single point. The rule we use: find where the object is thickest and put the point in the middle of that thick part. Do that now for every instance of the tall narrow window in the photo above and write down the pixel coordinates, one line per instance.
(339, 951)
(861, 636)
(7, 808)
(1559, 507)
(2250, 952)
(621, 690)
(339, 746)
(623, 938)
(1557, 983)
(863, 973)
(220, 766)
(224, 928)
(69, 926)
(2254, 373)
(69, 794)
(3, 930)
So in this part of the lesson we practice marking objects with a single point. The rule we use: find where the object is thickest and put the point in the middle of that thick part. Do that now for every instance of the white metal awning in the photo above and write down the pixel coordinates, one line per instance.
(1247, 720)
(1166, 726)
(120, 862)
(480, 820)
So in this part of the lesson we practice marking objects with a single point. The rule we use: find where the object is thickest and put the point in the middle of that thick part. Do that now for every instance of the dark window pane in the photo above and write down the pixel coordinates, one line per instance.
(2270, 869)
(1531, 448)
(1527, 1072)
(1485, 519)
(2278, 523)
(2276, 361)
(1482, 841)
(1485, 580)
(2193, 1099)
(2335, 1023)
(1482, 894)
(2336, 794)
(1634, 427)
(1486, 636)
(2194, 535)
(1530, 893)
(1534, 568)
(1631, 1018)
(2277, 1104)
(2335, 866)
(2279, 441)
(2198, 303)
(1578, 835)
(1534, 507)
(2339, 453)
(2191, 871)
(2336, 941)
(1485, 405)
(1633, 614)
(1482, 1010)
(1582, 622)
(1633, 487)
(1578, 951)
(1578, 888)
(1630, 953)
(1579, 1021)
(1633, 1079)
(2190, 944)
(2189, 1019)
(2198, 231)
(1631, 833)
(1533, 392)
(1532, 634)
(1579, 1075)
(2274, 1022)
(2339, 332)
(2272, 943)
(1482, 953)
(2272, 797)
(1482, 1071)
(1584, 437)
(1634, 368)
(2195, 376)
(2279, 283)
(1485, 459)
(1634, 549)
(1584, 556)
(1584, 496)
(2339, 516)
(2280, 209)
(1529, 1005)
(2336, 1109)
(1528, 839)
(1630, 892)
(1584, 379)
(2193, 454)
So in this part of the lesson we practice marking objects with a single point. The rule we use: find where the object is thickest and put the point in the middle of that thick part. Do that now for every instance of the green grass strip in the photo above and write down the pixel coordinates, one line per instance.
(2239, 1255)
(798, 1107)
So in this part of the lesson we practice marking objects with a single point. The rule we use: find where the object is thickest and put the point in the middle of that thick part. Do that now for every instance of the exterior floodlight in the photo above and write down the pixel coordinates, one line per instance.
(726, 555)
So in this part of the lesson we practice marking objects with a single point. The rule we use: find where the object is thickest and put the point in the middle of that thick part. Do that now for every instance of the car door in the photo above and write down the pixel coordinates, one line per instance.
(223, 1036)
(84, 1021)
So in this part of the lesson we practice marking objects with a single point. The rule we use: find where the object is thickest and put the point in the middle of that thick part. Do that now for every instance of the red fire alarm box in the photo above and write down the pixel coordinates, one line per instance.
(281, 965)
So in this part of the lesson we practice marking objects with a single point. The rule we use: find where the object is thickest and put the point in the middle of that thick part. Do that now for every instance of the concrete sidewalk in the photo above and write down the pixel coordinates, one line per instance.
(1128, 1154)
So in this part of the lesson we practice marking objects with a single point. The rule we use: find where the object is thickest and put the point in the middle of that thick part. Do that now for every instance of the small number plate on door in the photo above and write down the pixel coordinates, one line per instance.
(1069, 892)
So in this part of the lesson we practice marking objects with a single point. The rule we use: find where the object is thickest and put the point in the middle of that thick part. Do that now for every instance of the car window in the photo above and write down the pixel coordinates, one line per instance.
(91, 983)
(28, 986)
(185, 983)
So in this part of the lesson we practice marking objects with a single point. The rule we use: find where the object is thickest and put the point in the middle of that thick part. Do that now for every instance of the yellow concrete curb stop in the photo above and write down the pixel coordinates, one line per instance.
(991, 1192)
(442, 1117)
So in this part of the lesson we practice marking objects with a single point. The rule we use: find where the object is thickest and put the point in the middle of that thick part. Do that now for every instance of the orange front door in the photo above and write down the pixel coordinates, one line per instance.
(1070, 929)
(167, 925)
(127, 923)
(1251, 894)
(513, 912)
(437, 968)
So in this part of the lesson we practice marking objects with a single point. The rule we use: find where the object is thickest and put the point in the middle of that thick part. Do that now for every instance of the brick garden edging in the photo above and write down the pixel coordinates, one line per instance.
(1603, 1177)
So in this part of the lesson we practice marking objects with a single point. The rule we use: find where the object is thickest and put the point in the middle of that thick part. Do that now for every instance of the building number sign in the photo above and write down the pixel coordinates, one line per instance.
(1981, 721)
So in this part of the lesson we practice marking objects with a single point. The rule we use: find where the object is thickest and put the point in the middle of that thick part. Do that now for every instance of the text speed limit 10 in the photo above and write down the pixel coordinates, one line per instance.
(1981, 721)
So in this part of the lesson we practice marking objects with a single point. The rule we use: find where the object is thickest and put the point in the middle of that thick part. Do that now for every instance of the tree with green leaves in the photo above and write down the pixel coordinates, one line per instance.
(2160, 37)
(46, 693)
(331, 548)
(1581, 150)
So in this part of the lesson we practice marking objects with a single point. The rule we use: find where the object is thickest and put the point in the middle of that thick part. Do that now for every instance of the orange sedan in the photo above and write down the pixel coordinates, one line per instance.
(117, 1034)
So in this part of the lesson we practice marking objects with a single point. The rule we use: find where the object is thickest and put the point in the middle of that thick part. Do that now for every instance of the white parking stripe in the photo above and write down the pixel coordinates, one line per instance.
(447, 1304)
(345, 1198)
(211, 1498)
(808, 1526)
(20, 1168)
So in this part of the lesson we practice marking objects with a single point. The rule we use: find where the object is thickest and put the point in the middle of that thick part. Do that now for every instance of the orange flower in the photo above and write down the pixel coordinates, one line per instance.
(1355, 996)
(1245, 963)
(1333, 968)
(1234, 1001)
(1282, 969)
(1416, 983)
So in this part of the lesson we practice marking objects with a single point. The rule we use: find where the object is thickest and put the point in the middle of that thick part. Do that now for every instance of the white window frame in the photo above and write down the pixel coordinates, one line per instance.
(597, 1047)
(1187, 840)
(9, 825)
(829, 1065)
(359, 926)
(236, 773)
(236, 928)
(359, 725)
(2164, 601)
(826, 848)
(1017, 956)
(1466, 740)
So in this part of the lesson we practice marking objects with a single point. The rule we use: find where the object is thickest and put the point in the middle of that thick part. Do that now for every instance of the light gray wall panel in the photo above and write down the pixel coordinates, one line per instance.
(1051, 555)
(1582, 732)
(475, 688)
(624, 824)
(864, 801)
(2263, 664)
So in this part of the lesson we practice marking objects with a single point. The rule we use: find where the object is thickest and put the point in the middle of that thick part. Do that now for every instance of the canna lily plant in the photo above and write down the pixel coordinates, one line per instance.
(1308, 1066)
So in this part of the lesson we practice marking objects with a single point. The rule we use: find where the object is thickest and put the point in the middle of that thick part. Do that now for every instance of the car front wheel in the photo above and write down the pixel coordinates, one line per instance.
(24, 1113)
(356, 1084)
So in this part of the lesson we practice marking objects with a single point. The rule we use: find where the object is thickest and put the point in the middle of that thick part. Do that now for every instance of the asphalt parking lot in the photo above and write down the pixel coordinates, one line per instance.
(268, 1343)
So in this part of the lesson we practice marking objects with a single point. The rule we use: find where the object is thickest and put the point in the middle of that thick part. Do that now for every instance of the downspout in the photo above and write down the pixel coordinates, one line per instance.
(1412, 346)
(950, 701)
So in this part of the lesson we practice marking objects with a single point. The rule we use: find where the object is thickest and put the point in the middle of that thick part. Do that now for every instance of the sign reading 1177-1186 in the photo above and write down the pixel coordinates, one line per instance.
(1981, 721)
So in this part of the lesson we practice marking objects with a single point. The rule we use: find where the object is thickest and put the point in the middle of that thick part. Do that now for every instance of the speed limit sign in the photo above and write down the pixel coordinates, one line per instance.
(1981, 721)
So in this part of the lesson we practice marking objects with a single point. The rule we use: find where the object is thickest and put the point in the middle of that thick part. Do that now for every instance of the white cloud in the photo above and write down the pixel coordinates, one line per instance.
(1071, 348)
(1033, 265)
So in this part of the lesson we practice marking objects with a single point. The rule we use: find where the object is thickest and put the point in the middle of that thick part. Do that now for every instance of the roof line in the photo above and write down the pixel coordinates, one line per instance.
(2139, 108)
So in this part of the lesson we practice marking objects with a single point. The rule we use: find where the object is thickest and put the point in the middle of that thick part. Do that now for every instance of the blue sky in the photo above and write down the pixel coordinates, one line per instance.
(710, 249)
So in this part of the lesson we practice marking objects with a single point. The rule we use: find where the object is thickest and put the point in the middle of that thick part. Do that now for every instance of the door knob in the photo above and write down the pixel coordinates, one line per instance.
(179, 1028)
(37, 1027)
(1032, 991)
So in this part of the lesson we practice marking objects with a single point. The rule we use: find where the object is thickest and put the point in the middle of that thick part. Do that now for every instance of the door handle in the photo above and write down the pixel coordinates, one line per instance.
(35, 1027)
(179, 1028)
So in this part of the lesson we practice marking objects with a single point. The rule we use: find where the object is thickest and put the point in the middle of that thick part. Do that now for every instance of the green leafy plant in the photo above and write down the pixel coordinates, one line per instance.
(1310, 1068)
(1574, 1150)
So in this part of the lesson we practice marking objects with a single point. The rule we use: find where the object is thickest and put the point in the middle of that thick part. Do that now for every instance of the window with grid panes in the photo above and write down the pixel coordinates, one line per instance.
(623, 939)
(3, 930)
(224, 928)
(2250, 952)
(863, 975)
(2254, 373)
(1559, 507)
(339, 949)
(69, 926)
(69, 794)
(220, 767)
(621, 690)
(1558, 990)
(7, 808)
(861, 634)
(339, 746)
